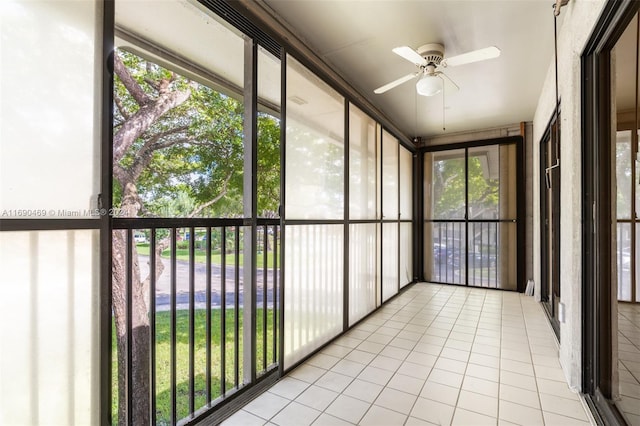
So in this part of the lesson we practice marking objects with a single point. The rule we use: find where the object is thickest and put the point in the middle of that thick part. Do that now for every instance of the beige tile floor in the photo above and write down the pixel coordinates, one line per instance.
(436, 354)
(629, 361)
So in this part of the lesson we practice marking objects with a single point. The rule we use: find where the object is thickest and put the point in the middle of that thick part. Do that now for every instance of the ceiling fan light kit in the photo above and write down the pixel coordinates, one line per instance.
(429, 85)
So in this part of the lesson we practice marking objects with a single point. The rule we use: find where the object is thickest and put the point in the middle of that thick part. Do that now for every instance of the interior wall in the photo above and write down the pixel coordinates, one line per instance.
(577, 22)
(491, 133)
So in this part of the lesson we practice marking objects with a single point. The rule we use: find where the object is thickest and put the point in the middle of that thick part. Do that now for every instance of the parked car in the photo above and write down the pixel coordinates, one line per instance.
(139, 238)
(439, 253)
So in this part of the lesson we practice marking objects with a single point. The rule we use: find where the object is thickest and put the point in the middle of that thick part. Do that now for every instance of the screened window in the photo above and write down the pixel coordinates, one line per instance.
(315, 147)
(363, 166)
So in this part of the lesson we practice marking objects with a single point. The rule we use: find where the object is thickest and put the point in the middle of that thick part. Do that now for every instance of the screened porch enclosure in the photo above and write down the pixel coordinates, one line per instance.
(261, 214)
(348, 195)
(249, 213)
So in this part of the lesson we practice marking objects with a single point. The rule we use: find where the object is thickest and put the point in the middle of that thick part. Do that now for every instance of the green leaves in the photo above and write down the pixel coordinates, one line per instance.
(191, 158)
(268, 164)
(450, 186)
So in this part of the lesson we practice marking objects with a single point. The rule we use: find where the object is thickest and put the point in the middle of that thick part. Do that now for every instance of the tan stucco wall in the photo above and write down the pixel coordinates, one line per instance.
(577, 21)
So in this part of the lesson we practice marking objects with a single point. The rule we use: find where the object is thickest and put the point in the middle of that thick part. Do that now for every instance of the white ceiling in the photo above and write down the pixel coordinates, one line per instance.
(355, 37)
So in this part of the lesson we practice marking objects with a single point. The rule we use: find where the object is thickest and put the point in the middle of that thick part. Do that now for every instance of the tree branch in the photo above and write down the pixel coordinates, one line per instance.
(153, 139)
(121, 174)
(121, 108)
(143, 119)
(223, 192)
(488, 191)
(129, 82)
(152, 83)
(167, 144)
(145, 154)
(449, 179)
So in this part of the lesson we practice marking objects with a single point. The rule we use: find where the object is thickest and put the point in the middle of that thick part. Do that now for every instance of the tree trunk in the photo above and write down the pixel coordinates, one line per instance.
(134, 127)
(140, 338)
(140, 330)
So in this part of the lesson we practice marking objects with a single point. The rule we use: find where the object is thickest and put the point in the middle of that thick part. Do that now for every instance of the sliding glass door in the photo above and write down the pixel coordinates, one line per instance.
(627, 219)
(471, 215)
(445, 214)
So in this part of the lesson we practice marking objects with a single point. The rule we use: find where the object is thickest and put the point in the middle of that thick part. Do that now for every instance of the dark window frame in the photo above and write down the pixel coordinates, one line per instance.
(597, 213)
(520, 203)
(549, 303)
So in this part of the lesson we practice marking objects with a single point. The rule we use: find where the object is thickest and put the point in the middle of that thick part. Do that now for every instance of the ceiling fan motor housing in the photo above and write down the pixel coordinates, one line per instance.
(432, 53)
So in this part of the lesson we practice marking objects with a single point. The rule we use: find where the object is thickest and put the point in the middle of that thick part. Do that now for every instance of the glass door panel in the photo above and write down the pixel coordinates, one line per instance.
(637, 258)
(506, 256)
(626, 179)
(449, 247)
(483, 254)
(623, 261)
(550, 212)
(406, 183)
(484, 182)
(471, 216)
(390, 259)
(627, 189)
(491, 256)
(623, 175)
(390, 176)
(446, 186)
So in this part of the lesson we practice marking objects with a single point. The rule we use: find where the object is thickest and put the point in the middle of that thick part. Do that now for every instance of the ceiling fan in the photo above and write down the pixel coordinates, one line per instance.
(428, 58)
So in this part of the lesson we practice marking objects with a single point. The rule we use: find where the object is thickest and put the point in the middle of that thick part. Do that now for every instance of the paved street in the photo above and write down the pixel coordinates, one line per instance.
(163, 284)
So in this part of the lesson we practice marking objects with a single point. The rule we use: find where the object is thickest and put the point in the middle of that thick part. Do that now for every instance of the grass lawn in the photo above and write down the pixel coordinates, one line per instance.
(163, 369)
(216, 258)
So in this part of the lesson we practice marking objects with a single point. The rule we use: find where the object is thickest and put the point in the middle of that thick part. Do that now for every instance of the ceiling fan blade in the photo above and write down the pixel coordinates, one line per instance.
(450, 84)
(473, 56)
(409, 54)
(395, 83)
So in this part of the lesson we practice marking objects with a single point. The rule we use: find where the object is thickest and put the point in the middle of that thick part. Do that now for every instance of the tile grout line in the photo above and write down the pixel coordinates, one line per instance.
(500, 358)
(535, 374)
(542, 410)
(372, 403)
(468, 361)
(440, 288)
(395, 371)
(418, 305)
(467, 366)
(628, 317)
